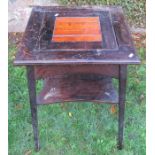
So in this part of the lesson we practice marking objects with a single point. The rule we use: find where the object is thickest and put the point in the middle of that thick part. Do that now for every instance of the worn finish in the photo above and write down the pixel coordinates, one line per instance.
(77, 29)
(57, 71)
(74, 65)
(76, 87)
(33, 104)
(121, 104)
(38, 49)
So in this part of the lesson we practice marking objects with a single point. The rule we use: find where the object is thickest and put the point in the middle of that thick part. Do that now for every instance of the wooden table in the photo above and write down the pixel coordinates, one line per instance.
(77, 52)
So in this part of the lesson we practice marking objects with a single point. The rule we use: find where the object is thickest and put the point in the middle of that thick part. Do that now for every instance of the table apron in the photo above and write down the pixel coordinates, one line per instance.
(45, 71)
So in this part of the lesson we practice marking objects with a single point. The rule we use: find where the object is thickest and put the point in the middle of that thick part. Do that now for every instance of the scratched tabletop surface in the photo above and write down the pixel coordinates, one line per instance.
(63, 35)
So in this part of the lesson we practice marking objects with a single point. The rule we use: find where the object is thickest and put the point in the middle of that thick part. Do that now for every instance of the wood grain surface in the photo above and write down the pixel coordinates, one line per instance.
(37, 47)
(78, 87)
(77, 29)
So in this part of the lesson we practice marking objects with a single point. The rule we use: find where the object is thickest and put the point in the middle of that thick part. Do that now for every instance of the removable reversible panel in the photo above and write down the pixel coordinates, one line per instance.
(77, 29)
(66, 31)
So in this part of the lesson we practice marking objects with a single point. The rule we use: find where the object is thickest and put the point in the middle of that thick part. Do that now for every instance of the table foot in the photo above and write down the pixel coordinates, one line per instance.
(120, 146)
(37, 147)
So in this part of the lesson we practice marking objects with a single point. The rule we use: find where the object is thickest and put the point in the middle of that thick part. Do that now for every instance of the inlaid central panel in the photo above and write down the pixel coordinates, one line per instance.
(77, 29)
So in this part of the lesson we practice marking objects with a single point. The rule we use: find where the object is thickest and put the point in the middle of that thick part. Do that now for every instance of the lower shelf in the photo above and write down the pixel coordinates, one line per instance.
(78, 88)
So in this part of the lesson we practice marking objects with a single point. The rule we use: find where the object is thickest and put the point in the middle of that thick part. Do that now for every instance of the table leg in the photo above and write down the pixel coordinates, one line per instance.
(121, 105)
(33, 105)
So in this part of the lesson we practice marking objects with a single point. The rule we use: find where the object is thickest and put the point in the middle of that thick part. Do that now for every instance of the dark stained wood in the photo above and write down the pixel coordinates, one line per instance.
(121, 104)
(78, 88)
(33, 104)
(77, 58)
(123, 36)
(37, 48)
(58, 71)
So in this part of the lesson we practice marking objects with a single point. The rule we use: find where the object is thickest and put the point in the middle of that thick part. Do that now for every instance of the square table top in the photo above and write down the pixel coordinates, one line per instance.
(85, 35)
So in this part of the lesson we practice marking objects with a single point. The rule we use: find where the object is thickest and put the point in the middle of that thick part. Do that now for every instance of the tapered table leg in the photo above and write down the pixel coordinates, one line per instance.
(121, 105)
(33, 105)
